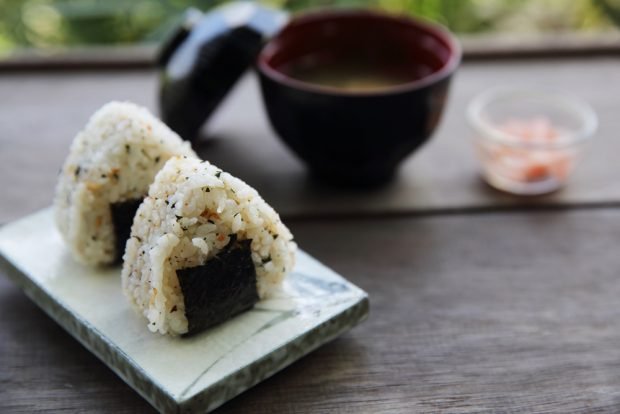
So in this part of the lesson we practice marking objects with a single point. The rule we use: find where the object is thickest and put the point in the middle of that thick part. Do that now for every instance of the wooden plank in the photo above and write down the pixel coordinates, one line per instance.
(443, 175)
(537, 45)
(41, 113)
(469, 313)
(475, 47)
(93, 57)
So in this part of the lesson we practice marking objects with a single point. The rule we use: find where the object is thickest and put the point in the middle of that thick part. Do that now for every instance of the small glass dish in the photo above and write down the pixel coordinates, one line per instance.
(529, 141)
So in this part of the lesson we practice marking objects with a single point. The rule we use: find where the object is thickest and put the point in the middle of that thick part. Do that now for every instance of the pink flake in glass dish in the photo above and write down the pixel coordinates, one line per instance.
(529, 141)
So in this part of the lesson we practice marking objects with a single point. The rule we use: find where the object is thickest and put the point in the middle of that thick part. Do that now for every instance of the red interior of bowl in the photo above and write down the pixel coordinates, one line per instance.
(416, 53)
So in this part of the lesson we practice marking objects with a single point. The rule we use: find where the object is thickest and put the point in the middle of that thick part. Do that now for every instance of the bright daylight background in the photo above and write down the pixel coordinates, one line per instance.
(53, 24)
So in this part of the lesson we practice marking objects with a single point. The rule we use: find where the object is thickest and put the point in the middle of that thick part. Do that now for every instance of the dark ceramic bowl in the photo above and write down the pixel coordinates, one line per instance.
(349, 136)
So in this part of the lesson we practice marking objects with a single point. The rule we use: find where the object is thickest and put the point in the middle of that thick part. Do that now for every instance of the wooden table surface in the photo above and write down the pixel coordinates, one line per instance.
(42, 111)
(477, 305)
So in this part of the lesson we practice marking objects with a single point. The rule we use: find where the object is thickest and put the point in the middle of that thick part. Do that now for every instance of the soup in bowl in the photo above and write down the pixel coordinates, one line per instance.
(353, 93)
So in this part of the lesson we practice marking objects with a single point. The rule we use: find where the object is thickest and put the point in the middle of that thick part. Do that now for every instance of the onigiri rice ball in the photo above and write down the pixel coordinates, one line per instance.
(204, 247)
(110, 166)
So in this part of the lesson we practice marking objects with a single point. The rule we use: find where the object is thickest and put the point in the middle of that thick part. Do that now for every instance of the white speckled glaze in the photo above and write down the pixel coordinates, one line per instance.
(195, 374)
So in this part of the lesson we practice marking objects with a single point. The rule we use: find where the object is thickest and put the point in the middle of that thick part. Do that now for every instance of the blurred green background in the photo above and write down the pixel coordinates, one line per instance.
(52, 24)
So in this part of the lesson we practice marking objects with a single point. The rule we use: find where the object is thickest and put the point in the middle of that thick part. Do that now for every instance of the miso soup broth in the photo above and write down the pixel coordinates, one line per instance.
(356, 75)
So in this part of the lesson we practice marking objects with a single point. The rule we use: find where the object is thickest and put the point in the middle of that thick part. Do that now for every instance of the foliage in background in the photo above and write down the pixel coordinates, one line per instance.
(59, 23)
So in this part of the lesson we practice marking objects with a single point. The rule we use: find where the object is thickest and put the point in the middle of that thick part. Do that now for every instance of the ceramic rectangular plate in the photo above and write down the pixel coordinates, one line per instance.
(195, 374)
